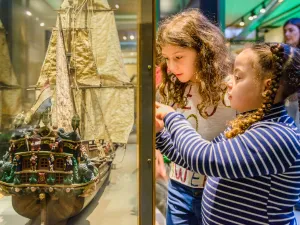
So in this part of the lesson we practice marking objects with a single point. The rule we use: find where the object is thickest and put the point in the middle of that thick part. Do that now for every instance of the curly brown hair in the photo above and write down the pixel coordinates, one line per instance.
(280, 63)
(191, 29)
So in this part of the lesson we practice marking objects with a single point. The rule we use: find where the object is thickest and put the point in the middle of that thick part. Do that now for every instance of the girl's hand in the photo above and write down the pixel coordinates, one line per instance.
(162, 110)
(159, 125)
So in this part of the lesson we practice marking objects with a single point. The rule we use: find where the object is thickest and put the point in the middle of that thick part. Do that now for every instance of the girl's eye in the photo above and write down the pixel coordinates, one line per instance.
(178, 57)
(237, 77)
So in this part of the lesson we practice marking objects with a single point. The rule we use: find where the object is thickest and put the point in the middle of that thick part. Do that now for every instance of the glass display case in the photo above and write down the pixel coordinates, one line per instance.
(76, 127)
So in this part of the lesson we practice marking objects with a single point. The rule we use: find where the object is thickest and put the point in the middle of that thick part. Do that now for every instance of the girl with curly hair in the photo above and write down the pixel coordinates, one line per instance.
(194, 62)
(253, 168)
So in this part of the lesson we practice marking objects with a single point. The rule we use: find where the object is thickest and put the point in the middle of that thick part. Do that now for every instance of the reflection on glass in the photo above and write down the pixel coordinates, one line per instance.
(67, 112)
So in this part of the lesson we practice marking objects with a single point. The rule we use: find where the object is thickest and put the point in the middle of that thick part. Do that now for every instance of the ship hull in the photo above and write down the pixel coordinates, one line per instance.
(54, 210)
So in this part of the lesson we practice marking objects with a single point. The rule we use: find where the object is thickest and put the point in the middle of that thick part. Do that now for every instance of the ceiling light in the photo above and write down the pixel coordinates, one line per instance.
(253, 16)
(263, 9)
(28, 13)
(117, 6)
(124, 38)
(131, 37)
(42, 24)
(280, 1)
(242, 23)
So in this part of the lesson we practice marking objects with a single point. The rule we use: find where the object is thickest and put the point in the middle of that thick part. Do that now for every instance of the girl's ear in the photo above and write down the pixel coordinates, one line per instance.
(267, 84)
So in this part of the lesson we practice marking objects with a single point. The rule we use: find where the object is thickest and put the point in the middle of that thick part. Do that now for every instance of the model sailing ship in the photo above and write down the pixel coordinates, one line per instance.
(62, 149)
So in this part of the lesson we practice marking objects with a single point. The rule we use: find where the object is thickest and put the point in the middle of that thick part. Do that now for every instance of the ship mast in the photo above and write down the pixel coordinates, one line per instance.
(83, 92)
(71, 70)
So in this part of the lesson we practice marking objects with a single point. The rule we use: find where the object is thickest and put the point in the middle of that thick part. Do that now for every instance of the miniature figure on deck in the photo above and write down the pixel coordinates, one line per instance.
(18, 163)
(33, 161)
(68, 164)
(35, 140)
(51, 162)
(75, 122)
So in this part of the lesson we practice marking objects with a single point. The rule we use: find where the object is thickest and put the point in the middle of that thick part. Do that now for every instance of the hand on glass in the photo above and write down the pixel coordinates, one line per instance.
(160, 113)
(159, 125)
(162, 110)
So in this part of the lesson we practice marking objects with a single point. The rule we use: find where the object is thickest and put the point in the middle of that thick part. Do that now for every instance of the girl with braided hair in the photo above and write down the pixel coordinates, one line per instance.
(194, 61)
(253, 168)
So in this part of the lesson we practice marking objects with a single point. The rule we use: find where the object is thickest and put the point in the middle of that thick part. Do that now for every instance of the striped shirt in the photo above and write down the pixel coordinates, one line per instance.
(253, 178)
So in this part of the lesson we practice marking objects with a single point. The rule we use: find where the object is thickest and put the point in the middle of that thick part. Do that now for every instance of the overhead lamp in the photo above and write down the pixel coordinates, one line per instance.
(280, 1)
(117, 6)
(253, 15)
(42, 24)
(124, 38)
(131, 37)
(263, 9)
(28, 13)
(242, 23)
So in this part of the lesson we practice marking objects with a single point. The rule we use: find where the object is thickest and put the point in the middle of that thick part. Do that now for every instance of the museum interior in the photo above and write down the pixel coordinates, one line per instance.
(78, 85)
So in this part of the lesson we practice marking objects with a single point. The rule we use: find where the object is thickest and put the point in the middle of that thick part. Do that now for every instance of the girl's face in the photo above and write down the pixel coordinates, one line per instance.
(291, 35)
(181, 62)
(245, 89)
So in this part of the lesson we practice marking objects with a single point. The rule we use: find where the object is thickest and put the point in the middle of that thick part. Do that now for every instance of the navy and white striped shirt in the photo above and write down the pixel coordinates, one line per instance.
(253, 178)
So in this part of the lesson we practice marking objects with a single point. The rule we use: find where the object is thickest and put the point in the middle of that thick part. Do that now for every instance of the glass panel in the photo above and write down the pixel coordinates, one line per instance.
(68, 136)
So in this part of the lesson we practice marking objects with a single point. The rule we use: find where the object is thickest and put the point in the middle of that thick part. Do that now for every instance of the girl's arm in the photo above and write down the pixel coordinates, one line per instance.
(267, 148)
(166, 147)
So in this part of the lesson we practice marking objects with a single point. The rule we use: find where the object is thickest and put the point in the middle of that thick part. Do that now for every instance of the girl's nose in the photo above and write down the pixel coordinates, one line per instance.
(228, 81)
(287, 33)
(171, 65)
(229, 85)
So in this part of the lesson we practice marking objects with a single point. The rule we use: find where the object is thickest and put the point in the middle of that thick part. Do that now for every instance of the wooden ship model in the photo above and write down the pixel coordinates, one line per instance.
(62, 149)
(48, 172)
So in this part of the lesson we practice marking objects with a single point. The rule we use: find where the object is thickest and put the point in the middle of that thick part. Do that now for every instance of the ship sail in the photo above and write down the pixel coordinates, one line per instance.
(63, 108)
(7, 74)
(10, 99)
(101, 90)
